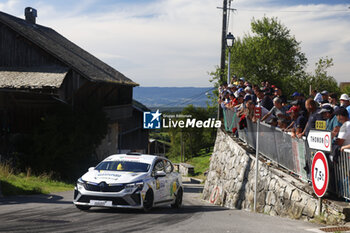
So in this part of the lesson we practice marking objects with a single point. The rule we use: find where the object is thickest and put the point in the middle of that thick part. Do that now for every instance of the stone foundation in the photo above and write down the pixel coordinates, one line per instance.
(231, 180)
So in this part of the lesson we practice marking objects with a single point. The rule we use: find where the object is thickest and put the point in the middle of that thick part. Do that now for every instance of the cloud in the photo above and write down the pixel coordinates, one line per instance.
(177, 42)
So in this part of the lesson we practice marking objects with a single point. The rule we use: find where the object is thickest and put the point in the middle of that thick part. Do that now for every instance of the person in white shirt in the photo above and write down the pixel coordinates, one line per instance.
(344, 132)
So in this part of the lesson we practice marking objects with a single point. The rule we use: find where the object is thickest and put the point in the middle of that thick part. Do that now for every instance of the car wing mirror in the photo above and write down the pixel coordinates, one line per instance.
(91, 169)
(159, 174)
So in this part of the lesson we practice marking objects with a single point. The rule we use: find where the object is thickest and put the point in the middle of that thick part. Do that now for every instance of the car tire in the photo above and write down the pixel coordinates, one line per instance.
(83, 207)
(148, 202)
(178, 201)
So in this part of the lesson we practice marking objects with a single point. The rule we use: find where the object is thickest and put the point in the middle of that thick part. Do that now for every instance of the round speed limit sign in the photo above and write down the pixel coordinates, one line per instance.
(319, 173)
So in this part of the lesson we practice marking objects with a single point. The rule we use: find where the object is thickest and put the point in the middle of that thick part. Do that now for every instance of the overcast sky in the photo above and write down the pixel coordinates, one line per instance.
(177, 42)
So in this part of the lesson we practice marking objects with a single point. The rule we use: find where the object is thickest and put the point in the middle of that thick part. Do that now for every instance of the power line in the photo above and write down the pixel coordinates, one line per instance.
(294, 11)
(191, 98)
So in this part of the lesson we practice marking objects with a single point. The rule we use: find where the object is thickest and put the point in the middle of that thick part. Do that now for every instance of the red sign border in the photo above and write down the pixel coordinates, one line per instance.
(322, 156)
(329, 141)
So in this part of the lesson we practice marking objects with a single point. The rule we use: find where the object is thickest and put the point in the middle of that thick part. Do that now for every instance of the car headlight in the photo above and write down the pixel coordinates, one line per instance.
(130, 187)
(80, 183)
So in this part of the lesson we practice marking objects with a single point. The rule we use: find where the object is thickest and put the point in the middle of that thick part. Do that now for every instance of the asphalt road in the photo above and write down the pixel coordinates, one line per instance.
(56, 213)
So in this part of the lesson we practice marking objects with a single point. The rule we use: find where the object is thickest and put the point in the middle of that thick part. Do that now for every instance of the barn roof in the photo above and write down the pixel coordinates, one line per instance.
(32, 77)
(66, 51)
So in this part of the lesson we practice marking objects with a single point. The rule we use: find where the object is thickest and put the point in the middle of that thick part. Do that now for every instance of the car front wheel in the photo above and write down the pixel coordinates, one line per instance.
(148, 202)
(178, 200)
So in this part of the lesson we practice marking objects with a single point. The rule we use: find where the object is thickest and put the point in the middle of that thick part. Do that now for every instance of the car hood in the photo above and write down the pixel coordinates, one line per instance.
(110, 177)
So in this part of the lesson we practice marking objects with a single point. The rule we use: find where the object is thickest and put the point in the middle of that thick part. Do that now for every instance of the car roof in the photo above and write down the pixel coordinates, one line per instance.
(136, 157)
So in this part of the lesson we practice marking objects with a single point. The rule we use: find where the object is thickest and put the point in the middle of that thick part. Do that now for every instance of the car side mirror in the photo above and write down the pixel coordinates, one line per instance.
(91, 169)
(159, 174)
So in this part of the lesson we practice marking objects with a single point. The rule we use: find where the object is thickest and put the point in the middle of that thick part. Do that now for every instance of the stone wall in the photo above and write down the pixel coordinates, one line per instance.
(231, 180)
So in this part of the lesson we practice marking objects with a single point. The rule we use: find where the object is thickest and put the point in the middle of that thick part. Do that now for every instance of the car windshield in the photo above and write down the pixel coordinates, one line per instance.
(125, 166)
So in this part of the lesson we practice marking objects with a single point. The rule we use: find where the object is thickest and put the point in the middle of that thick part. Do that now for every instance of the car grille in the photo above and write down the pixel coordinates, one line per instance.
(115, 200)
(103, 187)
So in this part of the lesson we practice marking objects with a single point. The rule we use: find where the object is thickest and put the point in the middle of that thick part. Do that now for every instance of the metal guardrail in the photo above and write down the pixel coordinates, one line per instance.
(342, 175)
(291, 153)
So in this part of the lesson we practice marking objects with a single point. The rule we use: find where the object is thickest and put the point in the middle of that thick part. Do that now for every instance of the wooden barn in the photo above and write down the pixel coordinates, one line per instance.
(40, 69)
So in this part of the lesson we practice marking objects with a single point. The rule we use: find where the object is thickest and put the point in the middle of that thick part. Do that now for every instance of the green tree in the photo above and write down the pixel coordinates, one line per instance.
(321, 80)
(271, 53)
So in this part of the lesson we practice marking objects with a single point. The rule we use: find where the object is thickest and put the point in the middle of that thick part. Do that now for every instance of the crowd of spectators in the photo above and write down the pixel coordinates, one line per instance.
(295, 115)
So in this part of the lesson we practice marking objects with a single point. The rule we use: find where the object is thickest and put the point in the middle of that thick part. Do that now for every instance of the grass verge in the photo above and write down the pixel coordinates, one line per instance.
(24, 183)
(200, 162)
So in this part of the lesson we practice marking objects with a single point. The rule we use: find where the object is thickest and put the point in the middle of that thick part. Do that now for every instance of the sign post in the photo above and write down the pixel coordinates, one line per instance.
(257, 115)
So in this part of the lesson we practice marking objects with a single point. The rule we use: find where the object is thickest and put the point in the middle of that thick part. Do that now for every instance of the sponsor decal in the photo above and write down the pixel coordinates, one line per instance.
(173, 188)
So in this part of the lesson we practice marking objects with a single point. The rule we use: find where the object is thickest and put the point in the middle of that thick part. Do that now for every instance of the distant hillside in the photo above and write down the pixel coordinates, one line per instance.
(171, 97)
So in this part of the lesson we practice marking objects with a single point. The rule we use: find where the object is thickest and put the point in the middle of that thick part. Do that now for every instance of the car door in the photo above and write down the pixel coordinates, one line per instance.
(160, 182)
(171, 180)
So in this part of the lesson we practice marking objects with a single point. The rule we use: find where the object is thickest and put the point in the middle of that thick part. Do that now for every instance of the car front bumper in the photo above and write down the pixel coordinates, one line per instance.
(108, 199)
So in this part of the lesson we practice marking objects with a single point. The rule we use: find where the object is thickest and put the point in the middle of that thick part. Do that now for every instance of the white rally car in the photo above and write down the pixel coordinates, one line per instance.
(130, 181)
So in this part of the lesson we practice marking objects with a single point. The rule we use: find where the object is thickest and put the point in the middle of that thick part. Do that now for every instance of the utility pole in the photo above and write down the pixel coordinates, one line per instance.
(223, 40)
(223, 50)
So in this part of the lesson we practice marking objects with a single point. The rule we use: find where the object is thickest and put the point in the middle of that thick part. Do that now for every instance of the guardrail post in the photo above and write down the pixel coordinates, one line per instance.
(256, 163)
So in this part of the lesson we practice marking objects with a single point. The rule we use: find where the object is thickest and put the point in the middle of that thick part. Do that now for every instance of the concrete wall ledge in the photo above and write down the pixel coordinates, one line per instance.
(230, 183)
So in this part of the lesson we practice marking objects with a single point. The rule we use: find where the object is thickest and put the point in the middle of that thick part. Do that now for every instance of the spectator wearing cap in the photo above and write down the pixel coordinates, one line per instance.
(313, 116)
(278, 110)
(249, 92)
(298, 121)
(332, 123)
(247, 98)
(345, 102)
(295, 95)
(324, 95)
(300, 104)
(240, 91)
(343, 139)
